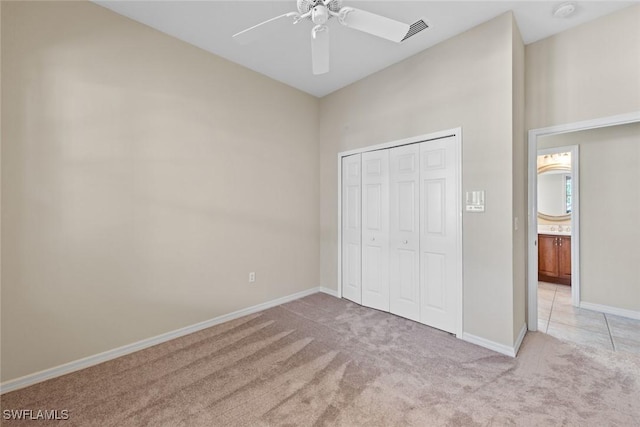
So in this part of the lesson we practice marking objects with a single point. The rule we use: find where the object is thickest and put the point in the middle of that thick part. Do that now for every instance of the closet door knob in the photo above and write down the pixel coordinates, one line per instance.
(373, 239)
(405, 241)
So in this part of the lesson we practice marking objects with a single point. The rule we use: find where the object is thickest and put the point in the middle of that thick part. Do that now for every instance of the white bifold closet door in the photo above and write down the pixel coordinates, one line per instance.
(400, 231)
(439, 269)
(375, 229)
(404, 232)
(351, 228)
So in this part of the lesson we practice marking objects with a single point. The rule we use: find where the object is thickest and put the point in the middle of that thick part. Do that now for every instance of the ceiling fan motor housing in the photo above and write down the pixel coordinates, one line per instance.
(305, 6)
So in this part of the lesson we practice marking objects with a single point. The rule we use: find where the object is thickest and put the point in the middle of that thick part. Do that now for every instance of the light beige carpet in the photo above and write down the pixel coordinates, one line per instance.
(326, 361)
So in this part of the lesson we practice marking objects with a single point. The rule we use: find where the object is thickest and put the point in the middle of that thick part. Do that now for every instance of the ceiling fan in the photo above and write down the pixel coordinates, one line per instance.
(321, 11)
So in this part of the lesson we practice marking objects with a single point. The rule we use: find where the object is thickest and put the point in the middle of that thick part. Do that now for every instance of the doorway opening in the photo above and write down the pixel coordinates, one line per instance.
(572, 298)
(557, 212)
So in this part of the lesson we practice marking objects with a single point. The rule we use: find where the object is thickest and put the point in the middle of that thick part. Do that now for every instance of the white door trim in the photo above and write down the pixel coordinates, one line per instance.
(532, 224)
(457, 134)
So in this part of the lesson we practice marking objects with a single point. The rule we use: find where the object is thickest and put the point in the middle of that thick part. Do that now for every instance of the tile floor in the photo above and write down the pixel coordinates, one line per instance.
(557, 317)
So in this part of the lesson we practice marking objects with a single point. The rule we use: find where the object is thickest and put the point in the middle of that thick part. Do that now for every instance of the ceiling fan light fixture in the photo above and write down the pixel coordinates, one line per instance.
(319, 12)
(564, 10)
(320, 15)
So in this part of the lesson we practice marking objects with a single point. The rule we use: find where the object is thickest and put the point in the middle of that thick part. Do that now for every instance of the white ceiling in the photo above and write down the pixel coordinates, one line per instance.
(286, 55)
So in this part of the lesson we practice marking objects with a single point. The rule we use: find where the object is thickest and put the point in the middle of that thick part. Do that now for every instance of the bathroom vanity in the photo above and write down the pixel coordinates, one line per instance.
(554, 258)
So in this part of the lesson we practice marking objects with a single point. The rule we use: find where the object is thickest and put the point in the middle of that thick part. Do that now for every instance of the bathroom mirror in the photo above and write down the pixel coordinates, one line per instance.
(554, 192)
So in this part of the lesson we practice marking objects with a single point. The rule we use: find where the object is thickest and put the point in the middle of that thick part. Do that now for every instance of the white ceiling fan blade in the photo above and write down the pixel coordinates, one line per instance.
(320, 49)
(262, 30)
(371, 23)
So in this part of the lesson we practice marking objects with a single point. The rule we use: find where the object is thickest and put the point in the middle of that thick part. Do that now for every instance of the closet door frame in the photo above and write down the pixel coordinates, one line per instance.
(456, 133)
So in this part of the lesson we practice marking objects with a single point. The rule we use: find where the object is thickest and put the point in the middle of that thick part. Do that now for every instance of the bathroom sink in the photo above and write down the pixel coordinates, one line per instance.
(556, 230)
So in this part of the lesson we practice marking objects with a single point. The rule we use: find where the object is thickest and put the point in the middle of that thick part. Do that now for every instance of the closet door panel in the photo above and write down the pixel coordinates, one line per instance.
(438, 233)
(375, 229)
(406, 280)
(351, 228)
(404, 238)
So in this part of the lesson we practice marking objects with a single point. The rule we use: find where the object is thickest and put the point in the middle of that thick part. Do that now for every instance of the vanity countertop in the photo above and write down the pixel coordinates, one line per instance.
(556, 230)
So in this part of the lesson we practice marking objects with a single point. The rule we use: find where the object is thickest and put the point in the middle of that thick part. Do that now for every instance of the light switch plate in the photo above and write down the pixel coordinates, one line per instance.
(475, 201)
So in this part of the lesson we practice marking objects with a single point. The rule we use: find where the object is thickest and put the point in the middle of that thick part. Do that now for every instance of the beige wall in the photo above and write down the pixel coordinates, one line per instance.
(519, 190)
(130, 164)
(142, 180)
(609, 212)
(587, 72)
(465, 81)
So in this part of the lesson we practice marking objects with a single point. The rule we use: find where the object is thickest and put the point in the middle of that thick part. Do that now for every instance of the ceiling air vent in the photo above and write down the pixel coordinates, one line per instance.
(415, 28)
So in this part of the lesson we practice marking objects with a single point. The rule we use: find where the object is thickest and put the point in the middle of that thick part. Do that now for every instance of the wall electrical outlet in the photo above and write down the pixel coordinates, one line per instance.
(252, 277)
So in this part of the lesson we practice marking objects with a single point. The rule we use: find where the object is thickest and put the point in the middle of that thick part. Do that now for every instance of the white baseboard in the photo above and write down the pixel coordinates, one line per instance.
(523, 332)
(96, 359)
(632, 314)
(329, 291)
(497, 347)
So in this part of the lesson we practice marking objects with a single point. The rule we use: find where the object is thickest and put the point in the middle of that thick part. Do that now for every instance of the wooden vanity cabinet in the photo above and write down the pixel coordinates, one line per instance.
(554, 259)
